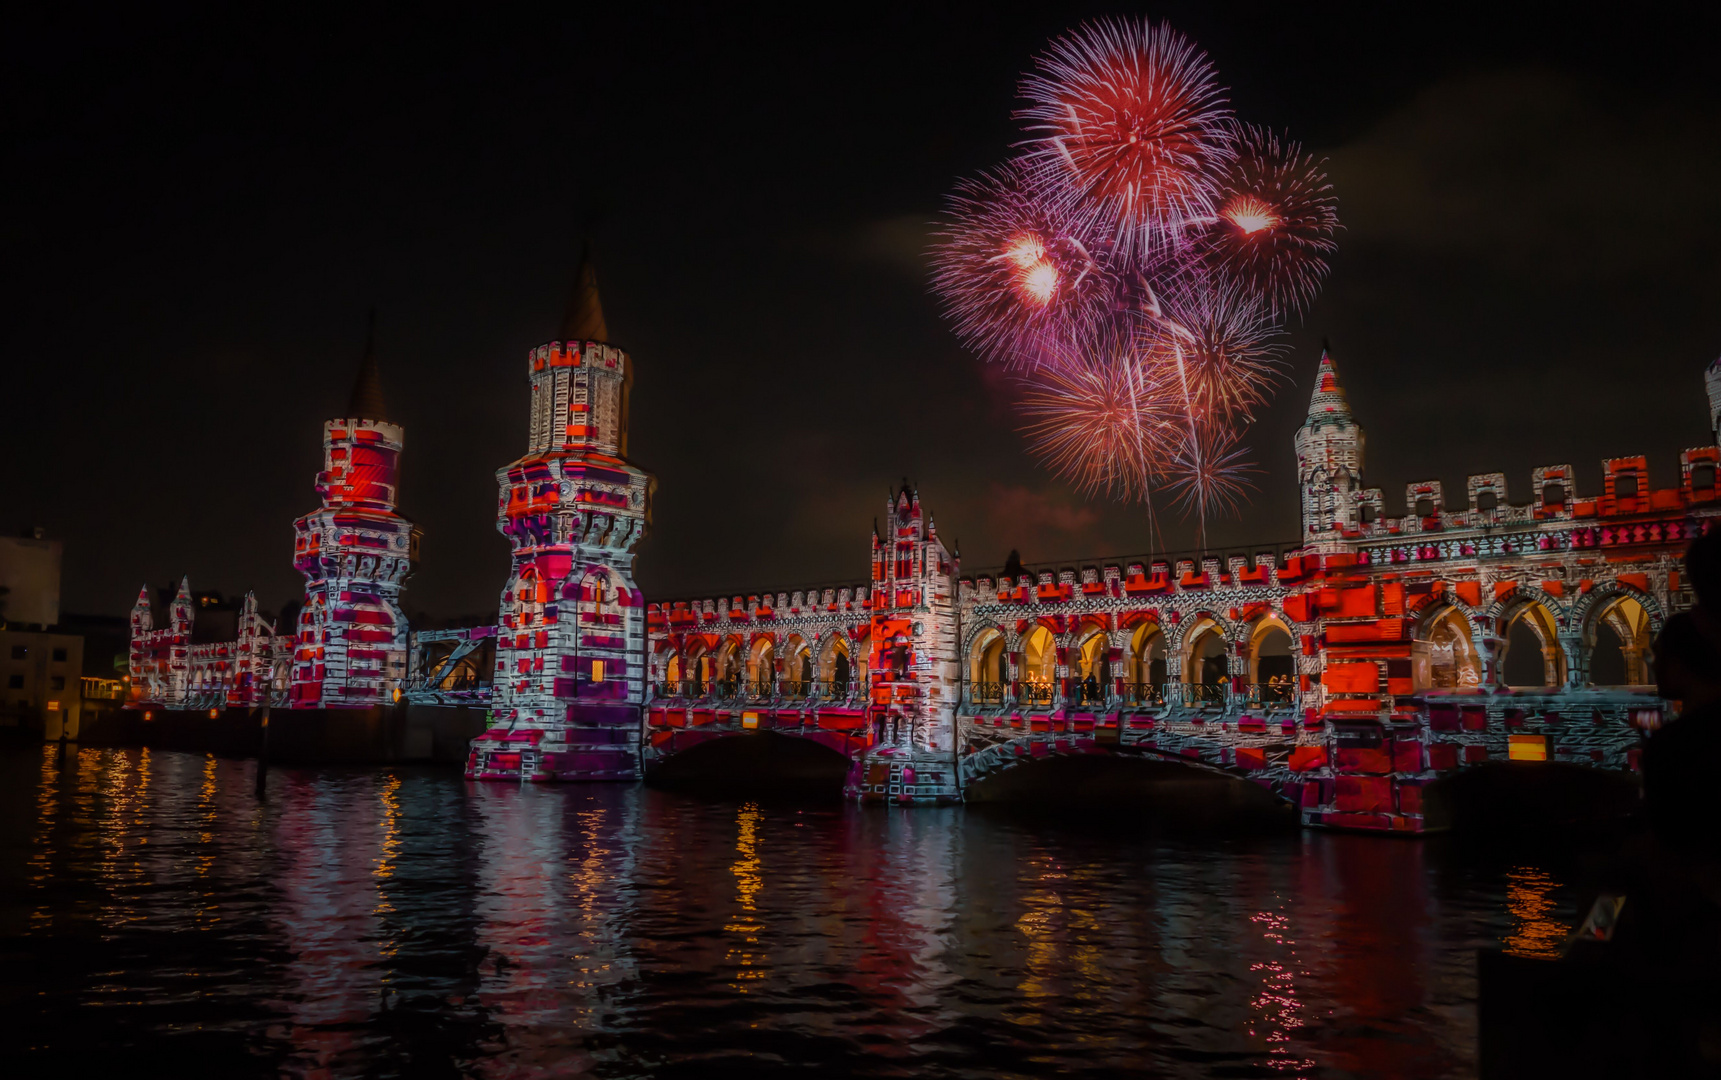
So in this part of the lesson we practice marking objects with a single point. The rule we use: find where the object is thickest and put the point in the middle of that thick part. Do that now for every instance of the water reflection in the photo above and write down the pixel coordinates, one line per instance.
(406, 922)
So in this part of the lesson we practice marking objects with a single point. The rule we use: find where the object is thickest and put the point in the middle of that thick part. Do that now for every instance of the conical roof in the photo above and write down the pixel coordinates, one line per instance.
(585, 318)
(1328, 401)
(366, 402)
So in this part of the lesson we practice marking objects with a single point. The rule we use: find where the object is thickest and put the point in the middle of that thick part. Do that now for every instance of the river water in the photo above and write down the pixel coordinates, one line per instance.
(157, 916)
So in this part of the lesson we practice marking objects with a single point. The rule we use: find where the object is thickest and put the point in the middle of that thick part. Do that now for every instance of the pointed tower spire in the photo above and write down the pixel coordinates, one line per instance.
(1328, 401)
(366, 402)
(585, 318)
(1712, 385)
(142, 616)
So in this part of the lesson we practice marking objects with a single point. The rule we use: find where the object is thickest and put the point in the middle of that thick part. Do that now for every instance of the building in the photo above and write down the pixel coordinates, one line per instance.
(40, 683)
(29, 580)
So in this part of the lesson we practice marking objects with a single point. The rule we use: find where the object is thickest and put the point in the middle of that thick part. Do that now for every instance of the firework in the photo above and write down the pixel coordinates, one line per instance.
(1016, 275)
(1128, 124)
(1229, 341)
(1103, 417)
(1276, 220)
(1136, 264)
(1208, 473)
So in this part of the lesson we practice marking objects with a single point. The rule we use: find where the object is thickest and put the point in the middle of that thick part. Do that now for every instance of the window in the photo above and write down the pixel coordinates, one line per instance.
(56, 682)
(1487, 500)
(59, 656)
(1702, 476)
(1424, 508)
(19, 652)
(597, 671)
(1366, 515)
(1554, 495)
(14, 682)
(1625, 485)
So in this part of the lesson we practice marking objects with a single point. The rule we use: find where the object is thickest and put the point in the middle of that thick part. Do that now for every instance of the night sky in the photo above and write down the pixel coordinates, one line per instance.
(199, 213)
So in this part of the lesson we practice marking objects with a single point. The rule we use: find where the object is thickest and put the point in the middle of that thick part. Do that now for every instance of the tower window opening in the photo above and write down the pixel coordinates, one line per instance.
(1366, 515)
(1425, 508)
(1487, 500)
(1554, 495)
(1703, 476)
(1625, 485)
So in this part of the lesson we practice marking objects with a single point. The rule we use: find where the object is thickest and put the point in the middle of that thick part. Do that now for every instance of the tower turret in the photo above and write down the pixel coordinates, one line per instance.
(1329, 459)
(355, 551)
(914, 675)
(570, 647)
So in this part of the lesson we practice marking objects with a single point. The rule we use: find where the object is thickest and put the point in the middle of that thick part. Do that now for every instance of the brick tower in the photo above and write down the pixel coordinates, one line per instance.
(570, 646)
(1329, 461)
(914, 676)
(355, 552)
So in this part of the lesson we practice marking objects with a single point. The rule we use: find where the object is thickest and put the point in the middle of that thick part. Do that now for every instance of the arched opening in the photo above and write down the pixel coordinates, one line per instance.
(1146, 665)
(1533, 656)
(1039, 666)
(1093, 681)
(729, 668)
(1452, 660)
(988, 669)
(761, 667)
(1272, 668)
(1138, 792)
(796, 680)
(1204, 667)
(758, 764)
(834, 665)
(1618, 640)
(670, 668)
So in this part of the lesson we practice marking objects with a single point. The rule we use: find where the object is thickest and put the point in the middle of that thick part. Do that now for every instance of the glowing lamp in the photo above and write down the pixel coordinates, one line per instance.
(214, 714)
(147, 715)
(1527, 747)
(749, 720)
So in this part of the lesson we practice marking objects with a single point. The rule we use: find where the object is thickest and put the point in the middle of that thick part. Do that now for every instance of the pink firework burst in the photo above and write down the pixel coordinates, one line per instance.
(1208, 473)
(1229, 341)
(1128, 120)
(1276, 220)
(1103, 418)
(1015, 274)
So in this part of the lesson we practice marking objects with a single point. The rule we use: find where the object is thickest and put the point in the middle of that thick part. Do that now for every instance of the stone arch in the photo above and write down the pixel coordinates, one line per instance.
(1149, 655)
(1204, 652)
(835, 659)
(1271, 657)
(1528, 630)
(797, 663)
(1616, 631)
(1090, 662)
(1454, 660)
(987, 656)
(762, 661)
(1039, 664)
(728, 666)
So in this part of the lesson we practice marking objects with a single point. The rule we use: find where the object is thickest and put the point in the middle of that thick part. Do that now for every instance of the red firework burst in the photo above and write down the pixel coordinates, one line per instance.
(1016, 276)
(1128, 119)
(1276, 220)
(1103, 418)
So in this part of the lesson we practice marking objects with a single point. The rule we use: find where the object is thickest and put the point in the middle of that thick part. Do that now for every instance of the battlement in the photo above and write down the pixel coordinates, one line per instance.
(676, 615)
(593, 355)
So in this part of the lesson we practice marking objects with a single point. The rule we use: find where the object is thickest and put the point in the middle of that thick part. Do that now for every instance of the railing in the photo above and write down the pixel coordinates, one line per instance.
(1204, 693)
(755, 689)
(1088, 694)
(1041, 694)
(1144, 694)
(1267, 696)
(987, 693)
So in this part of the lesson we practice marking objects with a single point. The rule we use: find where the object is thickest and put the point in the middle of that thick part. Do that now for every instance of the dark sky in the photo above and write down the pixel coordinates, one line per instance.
(198, 214)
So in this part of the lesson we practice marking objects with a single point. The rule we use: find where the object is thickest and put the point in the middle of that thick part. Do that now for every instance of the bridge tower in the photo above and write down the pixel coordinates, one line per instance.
(570, 647)
(1329, 462)
(913, 672)
(355, 552)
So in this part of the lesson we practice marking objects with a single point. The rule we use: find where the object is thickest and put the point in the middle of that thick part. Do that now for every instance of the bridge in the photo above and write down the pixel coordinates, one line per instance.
(1357, 673)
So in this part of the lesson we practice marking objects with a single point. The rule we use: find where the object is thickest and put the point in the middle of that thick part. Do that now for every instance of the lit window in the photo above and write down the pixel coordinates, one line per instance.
(597, 671)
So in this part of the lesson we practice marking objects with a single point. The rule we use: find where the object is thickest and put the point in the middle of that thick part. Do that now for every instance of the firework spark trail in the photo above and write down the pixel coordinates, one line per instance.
(1135, 266)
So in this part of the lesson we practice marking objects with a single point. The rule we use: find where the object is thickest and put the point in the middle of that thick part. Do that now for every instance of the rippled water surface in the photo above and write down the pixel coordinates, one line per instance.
(157, 914)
